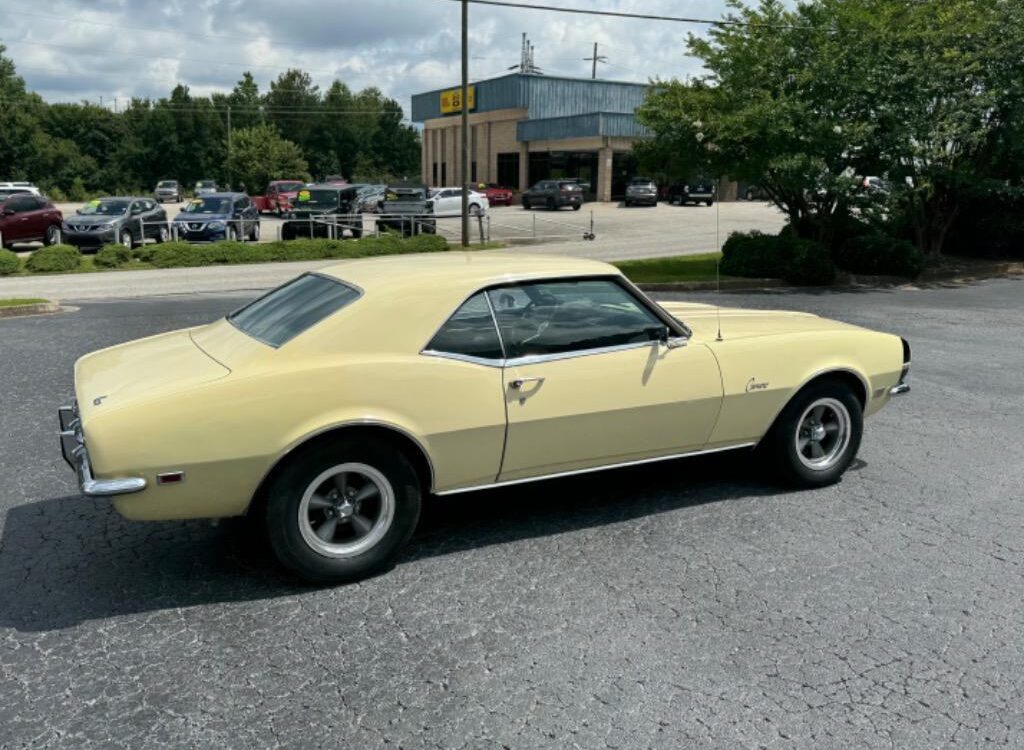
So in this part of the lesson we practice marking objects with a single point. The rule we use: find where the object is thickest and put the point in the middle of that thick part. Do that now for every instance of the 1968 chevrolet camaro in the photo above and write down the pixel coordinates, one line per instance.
(328, 407)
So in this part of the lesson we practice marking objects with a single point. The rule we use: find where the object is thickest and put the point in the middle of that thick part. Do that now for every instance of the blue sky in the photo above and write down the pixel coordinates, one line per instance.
(69, 50)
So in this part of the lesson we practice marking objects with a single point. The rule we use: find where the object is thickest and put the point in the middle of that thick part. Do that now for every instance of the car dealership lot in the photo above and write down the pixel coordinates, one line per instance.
(684, 604)
(620, 232)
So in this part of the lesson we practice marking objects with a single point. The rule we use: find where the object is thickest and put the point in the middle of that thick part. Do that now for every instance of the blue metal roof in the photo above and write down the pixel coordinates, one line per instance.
(542, 97)
(580, 126)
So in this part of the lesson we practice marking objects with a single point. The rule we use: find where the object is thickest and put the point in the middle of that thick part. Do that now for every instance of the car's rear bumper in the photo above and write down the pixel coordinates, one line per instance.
(72, 447)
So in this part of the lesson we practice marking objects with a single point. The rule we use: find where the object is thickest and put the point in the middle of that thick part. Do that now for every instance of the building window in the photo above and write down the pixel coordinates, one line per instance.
(508, 170)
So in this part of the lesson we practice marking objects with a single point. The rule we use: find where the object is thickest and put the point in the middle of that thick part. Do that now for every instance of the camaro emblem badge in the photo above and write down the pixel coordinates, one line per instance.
(753, 385)
(98, 400)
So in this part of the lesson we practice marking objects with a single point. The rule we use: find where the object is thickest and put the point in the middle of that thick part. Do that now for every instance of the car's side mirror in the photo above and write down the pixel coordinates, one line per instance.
(663, 335)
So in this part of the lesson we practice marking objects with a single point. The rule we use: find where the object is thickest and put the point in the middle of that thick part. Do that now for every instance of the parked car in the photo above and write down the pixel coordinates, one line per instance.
(641, 191)
(217, 216)
(168, 190)
(752, 193)
(324, 211)
(496, 194)
(329, 407)
(25, 217)
(27, 186)
(125, 220)
(702, 191)
(448, 202)
(405, 208)
(877, 185)
(205, 187)
(554, 194)
(278, 196)
(370, 197)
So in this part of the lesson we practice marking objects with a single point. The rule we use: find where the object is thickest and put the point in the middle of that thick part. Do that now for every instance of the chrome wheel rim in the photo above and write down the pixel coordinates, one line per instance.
(126, 240)
(822, 434)
(256, 232)
(164, 234)
(346, 510)
(54, 235)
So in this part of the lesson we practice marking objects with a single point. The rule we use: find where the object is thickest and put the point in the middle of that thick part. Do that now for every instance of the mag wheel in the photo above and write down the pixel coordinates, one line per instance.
(52, 235)
(817, 435)
(126, 239)
(342, 511)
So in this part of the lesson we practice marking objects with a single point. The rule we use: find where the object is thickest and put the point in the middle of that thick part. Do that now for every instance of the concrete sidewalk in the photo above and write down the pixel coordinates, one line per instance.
(157, 282)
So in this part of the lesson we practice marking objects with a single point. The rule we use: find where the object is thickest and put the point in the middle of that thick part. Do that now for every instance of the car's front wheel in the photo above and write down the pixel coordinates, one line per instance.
(52, 235)
(342, 510)
(526, 203)
(817, 435)
(126, 239)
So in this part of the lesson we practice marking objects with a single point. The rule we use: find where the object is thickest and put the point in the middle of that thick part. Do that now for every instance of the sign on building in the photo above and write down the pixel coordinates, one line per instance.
(451, 100)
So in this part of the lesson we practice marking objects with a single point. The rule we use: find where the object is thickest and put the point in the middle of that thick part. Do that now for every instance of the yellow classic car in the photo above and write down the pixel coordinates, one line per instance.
(328, 407)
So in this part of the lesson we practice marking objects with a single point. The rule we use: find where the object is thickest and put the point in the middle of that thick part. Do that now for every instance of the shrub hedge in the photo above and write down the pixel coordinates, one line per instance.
(879, 254)
(9, 262)
(54, 258)
(113, 256)
(786, 256)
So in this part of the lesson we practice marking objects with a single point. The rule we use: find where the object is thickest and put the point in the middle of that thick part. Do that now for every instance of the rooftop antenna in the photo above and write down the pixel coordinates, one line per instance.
(718, 277)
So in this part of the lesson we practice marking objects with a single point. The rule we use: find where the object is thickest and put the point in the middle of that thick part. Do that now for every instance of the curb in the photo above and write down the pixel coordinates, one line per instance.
(38, 308)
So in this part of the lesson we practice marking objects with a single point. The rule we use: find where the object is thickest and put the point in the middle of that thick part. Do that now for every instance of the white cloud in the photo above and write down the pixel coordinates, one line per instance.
(78, 49)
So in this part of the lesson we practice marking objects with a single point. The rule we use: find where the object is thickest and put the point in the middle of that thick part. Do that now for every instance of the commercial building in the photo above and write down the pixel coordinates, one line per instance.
(525, 128)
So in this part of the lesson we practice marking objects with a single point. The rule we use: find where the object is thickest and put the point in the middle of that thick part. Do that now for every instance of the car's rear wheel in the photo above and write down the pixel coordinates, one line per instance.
(817, 435)
(342, 510)
(52, 235)
(232, 234)
(254, 235)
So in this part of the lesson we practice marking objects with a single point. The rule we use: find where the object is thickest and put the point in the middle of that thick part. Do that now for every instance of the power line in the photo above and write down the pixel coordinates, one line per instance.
(623, 14)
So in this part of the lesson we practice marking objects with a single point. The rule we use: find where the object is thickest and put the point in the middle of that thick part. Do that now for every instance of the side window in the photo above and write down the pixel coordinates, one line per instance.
(21, 204)
(569, 316)
(469, 331)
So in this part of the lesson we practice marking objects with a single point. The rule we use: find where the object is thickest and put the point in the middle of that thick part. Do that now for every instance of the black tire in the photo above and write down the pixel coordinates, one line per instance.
(577, 206)
(526, 203)
(52, 235)
(285, 509)
(750, 195)
(287, 232)
(254, 233)
(710, 203)
(780, 445)
(126, 239)
(232, 234)
(163, 235)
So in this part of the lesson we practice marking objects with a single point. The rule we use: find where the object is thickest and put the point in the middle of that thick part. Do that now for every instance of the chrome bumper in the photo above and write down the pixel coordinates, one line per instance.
(72, 447)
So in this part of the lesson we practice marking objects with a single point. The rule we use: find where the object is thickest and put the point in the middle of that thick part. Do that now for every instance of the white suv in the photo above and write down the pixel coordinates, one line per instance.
(26, 186)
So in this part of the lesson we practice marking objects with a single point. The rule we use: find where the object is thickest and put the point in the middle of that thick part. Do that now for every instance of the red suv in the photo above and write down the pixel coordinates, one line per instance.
(496, 194)
(29, 218)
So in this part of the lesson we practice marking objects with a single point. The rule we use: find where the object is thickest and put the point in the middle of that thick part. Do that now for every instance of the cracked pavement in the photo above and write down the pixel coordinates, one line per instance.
(688, 604)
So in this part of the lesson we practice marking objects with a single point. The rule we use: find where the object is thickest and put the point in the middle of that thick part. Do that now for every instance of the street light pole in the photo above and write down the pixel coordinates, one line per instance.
(465, 123)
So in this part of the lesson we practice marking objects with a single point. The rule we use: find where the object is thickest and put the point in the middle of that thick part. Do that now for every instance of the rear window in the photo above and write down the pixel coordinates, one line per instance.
(284, 313)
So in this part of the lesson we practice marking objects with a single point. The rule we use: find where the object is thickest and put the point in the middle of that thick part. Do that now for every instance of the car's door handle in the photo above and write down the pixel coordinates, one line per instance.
(520, 382)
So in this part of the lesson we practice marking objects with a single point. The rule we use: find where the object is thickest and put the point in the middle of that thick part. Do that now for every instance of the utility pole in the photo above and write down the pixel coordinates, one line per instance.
(595, 60)
(465, 123)
(229, 146)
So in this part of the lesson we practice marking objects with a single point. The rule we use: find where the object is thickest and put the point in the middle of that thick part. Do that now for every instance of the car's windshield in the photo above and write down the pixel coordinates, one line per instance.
(167, 183)
(316, 199)
(206, 184)
(207, 206)
(102, 207)
(287, 311)
(288, 187)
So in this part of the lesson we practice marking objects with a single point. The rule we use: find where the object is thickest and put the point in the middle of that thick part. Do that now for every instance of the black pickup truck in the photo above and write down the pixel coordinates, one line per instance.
(324, 211)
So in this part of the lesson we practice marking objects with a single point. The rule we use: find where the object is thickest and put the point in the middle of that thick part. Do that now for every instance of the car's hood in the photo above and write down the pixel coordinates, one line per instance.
(704, 321)
(159, 365)
(88, 220)
(200, 218)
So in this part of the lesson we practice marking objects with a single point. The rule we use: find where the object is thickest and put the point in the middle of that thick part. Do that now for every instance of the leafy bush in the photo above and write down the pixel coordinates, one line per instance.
(9, 262)
(113, 256)
(752, 255)
(757, 255)
(55, 194)
(880, 254)
(54, 258)
(181, 254)
(144, 253)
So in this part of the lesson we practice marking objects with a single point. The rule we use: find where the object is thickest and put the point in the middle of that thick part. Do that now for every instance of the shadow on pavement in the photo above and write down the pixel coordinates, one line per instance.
(72, 559)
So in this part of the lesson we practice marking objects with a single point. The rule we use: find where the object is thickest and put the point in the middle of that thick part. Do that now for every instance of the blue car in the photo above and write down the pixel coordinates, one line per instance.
(217, 216)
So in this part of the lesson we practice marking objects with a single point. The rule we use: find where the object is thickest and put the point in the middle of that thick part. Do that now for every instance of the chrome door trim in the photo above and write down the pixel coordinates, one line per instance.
(592, 469)
(498, 363)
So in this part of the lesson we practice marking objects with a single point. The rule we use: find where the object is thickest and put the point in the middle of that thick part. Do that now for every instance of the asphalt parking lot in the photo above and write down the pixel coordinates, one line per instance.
(621, 232)
(689, 604)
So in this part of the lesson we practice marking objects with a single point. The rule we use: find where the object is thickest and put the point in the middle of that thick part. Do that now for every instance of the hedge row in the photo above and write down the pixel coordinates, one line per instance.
(181, 254)
(807, 263)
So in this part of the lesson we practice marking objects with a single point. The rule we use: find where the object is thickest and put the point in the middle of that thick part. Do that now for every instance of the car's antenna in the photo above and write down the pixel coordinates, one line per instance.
(718, 277)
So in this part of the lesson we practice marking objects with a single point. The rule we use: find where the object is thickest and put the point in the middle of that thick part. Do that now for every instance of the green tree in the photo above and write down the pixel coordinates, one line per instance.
(259, 154)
